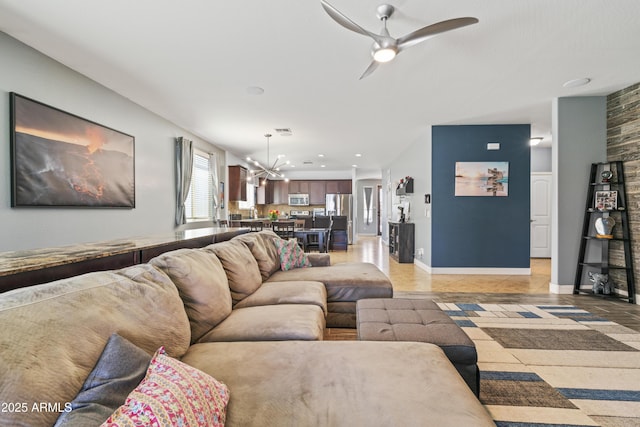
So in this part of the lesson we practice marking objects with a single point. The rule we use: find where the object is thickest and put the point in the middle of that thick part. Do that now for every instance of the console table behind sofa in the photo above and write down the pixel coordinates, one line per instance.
(19, 269)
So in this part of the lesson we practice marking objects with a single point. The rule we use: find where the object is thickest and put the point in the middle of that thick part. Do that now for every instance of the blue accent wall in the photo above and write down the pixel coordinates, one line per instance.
(480, 232)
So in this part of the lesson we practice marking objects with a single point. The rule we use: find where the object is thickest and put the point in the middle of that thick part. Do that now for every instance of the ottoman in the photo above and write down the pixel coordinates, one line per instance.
(388, 319)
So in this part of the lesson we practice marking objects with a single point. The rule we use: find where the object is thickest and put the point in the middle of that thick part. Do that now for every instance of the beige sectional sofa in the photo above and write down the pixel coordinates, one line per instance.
(259, 334)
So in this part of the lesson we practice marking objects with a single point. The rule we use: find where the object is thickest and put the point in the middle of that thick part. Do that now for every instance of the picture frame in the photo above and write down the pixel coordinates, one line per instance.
(481, 179)
(606, 200)
(59, 159)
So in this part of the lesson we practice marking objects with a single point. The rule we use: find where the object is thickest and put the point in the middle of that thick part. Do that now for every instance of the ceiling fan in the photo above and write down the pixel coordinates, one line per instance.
(385, 47)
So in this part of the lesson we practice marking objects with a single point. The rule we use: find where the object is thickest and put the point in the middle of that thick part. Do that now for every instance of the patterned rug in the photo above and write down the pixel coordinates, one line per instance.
(553, 365)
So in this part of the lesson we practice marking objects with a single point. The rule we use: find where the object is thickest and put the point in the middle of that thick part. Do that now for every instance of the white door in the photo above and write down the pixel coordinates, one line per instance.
(541, 215)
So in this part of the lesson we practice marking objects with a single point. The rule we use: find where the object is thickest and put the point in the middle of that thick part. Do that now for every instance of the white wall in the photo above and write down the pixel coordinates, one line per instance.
(415, 161)
(29, 73)
(541, 159)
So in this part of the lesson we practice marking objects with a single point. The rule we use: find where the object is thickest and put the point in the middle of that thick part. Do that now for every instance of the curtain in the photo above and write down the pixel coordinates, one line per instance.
(215, 183)
(184, 169)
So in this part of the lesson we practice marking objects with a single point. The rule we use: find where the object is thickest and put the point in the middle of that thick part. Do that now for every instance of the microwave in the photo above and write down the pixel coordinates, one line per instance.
(298, 200)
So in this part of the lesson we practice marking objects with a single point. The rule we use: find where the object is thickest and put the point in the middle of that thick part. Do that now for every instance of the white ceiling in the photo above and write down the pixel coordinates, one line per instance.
(192, 62)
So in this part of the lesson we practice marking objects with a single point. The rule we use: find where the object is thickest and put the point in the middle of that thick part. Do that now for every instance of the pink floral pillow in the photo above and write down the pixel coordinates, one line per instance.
(291, 255)
(173, 394)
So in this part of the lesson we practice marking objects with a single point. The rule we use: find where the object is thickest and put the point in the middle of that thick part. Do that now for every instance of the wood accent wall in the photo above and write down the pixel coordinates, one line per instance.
(623, 143)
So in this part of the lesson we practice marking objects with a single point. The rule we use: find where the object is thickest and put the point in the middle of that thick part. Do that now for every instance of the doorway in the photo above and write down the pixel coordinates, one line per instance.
(540, 215)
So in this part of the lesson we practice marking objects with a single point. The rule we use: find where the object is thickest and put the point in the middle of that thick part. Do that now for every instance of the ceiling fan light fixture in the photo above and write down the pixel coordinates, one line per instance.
(384, 54)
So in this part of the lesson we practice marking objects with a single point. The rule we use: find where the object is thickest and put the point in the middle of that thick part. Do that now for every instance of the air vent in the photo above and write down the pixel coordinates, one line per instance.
(307, 163)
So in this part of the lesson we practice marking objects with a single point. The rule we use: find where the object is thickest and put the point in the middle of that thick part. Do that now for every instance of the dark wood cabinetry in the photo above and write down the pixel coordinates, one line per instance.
(340, 186)
(237, 183)
(299, 187)
(402, 241)
(277, 192)
(317, 192)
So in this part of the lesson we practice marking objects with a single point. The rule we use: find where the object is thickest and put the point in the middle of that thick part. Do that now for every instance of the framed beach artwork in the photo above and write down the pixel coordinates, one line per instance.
(60, 159)
(482, 179)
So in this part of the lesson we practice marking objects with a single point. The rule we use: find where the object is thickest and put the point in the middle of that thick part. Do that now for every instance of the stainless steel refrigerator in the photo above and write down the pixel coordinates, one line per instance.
(341, 205)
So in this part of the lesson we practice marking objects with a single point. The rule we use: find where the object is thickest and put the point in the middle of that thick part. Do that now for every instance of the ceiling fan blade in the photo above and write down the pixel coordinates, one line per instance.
(341, 19)
(370, 69)
(424, 33)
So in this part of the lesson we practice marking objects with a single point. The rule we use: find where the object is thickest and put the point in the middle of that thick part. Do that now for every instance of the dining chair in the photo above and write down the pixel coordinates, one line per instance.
(253, 225)
(284, 229)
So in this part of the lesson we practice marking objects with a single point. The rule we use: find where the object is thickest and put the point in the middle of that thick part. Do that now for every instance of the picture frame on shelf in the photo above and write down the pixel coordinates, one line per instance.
(606, 200)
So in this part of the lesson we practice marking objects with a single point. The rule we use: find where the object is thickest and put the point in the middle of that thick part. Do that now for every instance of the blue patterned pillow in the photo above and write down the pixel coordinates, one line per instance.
(291, 255)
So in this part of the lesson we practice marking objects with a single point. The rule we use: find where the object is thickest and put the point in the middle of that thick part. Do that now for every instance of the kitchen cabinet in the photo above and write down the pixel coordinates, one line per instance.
(317, 192)
(299, 187)
(237, 183)
(277, 192)
(261, 193)
(340, 186)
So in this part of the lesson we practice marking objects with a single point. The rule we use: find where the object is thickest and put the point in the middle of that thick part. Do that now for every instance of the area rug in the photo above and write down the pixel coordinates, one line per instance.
(553, 365)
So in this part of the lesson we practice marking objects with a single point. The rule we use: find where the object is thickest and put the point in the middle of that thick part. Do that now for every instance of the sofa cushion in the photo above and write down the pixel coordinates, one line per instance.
(203, 286)
(54, 333)
(270, 323)
(349, 281)
(291, 255)
(273, 293)
(240, 266)
(340, 383)
(173, 393)
(119, 370)
(261, 246)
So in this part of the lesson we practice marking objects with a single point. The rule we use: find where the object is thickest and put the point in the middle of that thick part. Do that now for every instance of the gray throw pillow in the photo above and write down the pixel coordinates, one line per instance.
(121, 367)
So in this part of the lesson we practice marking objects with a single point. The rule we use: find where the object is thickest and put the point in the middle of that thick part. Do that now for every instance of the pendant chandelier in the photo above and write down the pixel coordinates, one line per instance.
(262, 173)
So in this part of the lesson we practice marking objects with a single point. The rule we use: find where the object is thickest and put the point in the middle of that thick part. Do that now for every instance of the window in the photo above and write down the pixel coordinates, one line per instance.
(199, 204)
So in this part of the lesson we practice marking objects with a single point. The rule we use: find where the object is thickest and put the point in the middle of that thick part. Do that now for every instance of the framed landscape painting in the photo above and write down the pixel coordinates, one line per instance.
(482, 179)
(60, 159)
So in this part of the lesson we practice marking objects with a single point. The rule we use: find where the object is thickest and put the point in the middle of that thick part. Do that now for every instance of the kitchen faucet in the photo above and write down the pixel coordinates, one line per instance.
(252, 212)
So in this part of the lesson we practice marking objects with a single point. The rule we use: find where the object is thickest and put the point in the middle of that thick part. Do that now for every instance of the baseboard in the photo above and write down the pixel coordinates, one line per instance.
(560, 289)
(421, 265)
(476, 270)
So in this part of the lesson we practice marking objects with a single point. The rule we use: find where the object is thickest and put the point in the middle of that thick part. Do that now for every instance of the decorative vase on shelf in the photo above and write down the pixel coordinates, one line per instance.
(604, 227)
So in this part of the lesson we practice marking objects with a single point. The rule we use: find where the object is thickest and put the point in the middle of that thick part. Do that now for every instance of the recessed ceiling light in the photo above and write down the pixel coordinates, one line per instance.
(535, 141)
(323, 166)
(320, 155)
(358, 155)
(576, 82)
(354, 166)
(255, 90)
